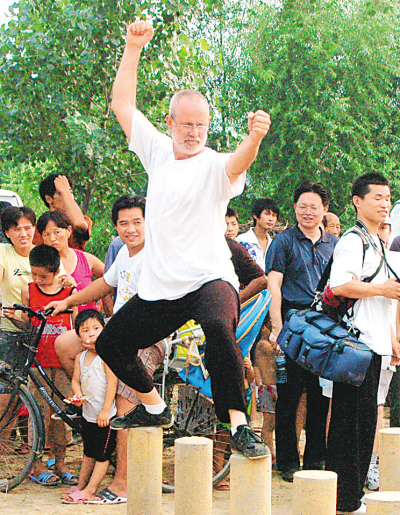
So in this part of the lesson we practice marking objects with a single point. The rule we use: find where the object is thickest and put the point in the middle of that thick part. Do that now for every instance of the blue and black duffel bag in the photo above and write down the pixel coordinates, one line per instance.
(324, 347)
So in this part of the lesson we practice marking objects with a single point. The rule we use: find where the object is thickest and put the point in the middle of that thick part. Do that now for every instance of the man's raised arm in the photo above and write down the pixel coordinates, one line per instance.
(243, 157)
(125, 85)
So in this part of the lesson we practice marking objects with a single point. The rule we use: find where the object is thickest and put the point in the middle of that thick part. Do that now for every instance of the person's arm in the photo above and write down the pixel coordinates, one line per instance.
(275, 280)
(95, 264)
(23, 321)
(125, 85)
(103, 418)
(72, 209)
(254, 287)
(243, 157)
(76, 378)
(356, 289)
(395, 361)
(95, 291)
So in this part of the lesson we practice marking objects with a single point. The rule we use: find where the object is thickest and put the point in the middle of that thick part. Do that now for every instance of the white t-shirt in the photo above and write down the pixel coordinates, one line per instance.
(124, 275)
(185, 216)
(372, 314)
(250, 242)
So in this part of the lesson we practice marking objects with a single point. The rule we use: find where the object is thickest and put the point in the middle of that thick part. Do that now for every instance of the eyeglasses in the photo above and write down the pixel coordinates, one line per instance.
(302, 208)
(200, 127)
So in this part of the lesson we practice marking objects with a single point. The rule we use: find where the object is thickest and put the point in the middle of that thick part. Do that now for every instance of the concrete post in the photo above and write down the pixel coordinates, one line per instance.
(145, 446)
(383, 503)
(193, 476)
(314, 492)
(389, 459)
(250, 485)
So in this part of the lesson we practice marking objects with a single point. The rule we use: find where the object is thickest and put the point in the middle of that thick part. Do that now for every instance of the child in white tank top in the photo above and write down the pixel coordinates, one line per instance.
(94, 387)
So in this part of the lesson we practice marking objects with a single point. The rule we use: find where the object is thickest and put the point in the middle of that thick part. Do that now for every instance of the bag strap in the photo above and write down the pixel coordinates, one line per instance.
(361, 229)
(327, 272)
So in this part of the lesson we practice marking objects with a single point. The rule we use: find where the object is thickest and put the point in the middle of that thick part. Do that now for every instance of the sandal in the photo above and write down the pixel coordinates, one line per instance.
(45, 478)
(69, 492)
(76, 497)
(68, 478)
(222, 486)
(106, 496)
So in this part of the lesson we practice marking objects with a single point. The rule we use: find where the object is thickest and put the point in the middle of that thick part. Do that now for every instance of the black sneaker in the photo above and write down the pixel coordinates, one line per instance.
(246, 442)
(287, 475)
(140, 417)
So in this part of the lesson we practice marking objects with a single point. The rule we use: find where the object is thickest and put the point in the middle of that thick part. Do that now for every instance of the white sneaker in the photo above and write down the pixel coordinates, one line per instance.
(372, 481)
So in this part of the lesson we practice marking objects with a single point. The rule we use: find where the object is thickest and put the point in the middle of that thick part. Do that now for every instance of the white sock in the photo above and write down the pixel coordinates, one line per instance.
(374, 459)
(233, 430)
(155, 409)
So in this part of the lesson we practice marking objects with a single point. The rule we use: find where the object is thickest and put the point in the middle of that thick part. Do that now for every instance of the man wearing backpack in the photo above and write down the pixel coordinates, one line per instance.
(358, 256)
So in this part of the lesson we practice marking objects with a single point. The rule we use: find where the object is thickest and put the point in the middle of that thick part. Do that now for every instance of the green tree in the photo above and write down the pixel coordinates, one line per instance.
(327, 71)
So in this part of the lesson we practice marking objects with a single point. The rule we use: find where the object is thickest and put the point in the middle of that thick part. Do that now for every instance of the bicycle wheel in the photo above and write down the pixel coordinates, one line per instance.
(194, 416)
(21, 434)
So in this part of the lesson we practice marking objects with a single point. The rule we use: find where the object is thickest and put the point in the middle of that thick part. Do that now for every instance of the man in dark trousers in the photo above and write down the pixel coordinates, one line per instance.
(295, 262)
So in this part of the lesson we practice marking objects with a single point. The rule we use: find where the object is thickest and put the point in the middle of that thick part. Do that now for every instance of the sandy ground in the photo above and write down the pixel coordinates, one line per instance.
(30, 498)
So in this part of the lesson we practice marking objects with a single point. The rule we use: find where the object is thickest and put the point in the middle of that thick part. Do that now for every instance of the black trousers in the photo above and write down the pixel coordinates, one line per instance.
(289, 393)
(351, 435)
(140, 324)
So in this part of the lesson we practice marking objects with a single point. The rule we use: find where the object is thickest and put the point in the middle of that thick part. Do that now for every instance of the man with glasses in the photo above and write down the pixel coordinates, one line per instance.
(294, 264)
(187, 271)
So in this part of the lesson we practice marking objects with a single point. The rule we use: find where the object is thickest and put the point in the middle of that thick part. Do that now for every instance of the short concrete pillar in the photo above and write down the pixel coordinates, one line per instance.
(193, 476)
(383, 503)
(389, 459)
(314, 492)
(250, 485)
(145, 446)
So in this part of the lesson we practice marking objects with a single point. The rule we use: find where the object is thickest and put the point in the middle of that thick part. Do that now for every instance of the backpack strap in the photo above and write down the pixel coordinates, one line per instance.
(327, 272)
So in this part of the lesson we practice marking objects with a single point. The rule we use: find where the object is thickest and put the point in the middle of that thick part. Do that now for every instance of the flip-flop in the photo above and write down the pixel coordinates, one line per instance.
(43, 479)
(50, 464)
(106, 496)
(69, 492)
(76, 497)
(68, 478)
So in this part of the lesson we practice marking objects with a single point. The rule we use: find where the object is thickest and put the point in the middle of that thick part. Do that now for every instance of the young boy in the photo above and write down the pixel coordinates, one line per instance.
(46, 286)
(95, 386)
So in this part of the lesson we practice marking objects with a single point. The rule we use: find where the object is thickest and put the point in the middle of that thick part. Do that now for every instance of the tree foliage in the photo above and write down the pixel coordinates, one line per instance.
(327, 71)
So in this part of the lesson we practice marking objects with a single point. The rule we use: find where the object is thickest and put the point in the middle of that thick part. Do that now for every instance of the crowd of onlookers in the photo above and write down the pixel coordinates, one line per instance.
(45, 261)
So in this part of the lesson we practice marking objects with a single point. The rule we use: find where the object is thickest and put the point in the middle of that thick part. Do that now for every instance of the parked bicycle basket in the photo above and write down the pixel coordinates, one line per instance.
(252, 315)
(19, 352)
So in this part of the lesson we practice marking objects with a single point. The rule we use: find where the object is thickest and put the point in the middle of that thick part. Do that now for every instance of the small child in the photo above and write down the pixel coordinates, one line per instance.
(47, 285)
(95, 383)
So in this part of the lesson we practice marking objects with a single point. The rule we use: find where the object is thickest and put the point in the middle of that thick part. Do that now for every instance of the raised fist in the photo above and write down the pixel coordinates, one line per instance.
(139, 33)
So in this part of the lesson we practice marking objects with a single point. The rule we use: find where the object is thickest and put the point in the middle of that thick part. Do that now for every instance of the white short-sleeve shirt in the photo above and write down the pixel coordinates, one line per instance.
(185, 216)
(371, 314)
(123, 275)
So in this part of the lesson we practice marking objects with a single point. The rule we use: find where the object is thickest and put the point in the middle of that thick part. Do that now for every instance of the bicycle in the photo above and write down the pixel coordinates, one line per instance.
(193, 412)
(22, 430)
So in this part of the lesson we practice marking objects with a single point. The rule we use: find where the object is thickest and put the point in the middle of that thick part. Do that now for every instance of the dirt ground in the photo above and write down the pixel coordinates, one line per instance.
(30, 498)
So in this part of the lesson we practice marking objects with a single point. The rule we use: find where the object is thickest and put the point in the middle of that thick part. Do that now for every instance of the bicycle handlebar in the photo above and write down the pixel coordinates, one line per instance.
(41, 315)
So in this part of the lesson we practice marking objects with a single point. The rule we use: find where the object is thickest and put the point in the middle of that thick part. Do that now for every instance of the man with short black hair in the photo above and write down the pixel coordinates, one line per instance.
(56, 192)
(295, 262)
(358, 256)
(256, 240)
(232, 223)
